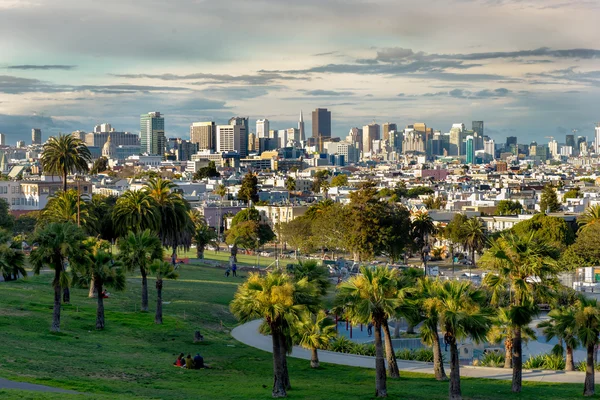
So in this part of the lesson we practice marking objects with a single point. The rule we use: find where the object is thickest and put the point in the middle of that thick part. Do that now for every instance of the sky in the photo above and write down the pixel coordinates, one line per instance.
(528, 68)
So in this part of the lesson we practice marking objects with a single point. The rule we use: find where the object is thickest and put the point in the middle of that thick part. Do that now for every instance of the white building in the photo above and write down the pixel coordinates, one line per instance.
(349, 151)
(2, 139)
(262, 128)
(232, 138)
(597, 141)
(553, 148)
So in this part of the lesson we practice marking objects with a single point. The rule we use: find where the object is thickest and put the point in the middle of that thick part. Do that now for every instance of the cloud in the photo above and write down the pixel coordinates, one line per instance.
(394, 54)
(259, 79)
(42, 67)
(320, 92)
(467, 94)
(540, 52)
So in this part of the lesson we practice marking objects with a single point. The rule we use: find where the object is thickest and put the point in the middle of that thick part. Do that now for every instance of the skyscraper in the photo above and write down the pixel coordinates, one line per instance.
(301, 127)
(232, 138)
(511, 141)
(597, 141)
(470, 149)
(395, 139)
(152, 133)
(36, 136)
(387, 127)
(457, 140)
(2, 139)
(204, 134)
(262, 128)
(570, 140)
(321, 123)
(477, 128)
(369, 133)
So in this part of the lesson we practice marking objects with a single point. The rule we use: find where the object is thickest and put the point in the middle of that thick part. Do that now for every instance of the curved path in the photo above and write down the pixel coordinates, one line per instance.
(6, 384)
(249, 335)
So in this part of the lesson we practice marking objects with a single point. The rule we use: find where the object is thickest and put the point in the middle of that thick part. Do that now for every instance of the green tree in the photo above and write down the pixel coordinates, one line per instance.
(562, 326)
(99, 166)
(417, 191)
(590, 217)
(508, 207)
(249, 234)
(339, 180)
(329, 228)
(314, 332)
(297, 234)
(137, 250)
(315, 273)
(373, 297)
(421, 228)
(502, 331)
(585, 250)
(574, 193)
(552, 230)
(12, 259)
(514, 260)
(461, 316)
(290, 184)
(587, 327)
(100, 209)
(209, 171)
(395, 230)
(68, 207)
(63, 155)
(280, 301)
(549, 200)
(319, 179)
(7, 221)
(25, 224)
(204, 235)
(473, 236)
(249, 189)
(135, 211)
(57, 244)
(161, 270)
(434, 203)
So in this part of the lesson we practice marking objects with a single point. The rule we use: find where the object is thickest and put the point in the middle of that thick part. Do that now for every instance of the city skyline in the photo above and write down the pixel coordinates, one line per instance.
(522, 81)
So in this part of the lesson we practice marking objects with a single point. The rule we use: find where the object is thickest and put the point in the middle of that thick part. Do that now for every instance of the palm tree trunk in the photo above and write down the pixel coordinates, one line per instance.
(380, 379)
(589, 385)
(278, 383)
(56, 310)
(508, 350)
(66, 295)
(92, 289)
(64, 176)
(410, 330)
(158, 317)
(517, 360)
(455, 392)
(570, 364)
(314, 359)
(144, 290)
(100, 308)
(438, 359)
(199, 252)
(286, 374)
(390, 356)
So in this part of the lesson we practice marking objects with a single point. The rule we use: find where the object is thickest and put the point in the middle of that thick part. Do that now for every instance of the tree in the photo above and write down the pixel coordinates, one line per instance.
(314, 332)
(297, 233)
(590, 217)
(523, 267)
(7, 221)
(372, 297)
(99, 166)
(249, 189)
(461, 316)
(320, 177)
(204, 235)
(99, 269)
(135, 211)
(572, 194)
(175, 227)
(587, 327)
(508, 207)
(25, 224)
(502, 331)
(329, 228)
(67, 207)
(249, 234)
(290, 184)
(395, 230)
(417, 191)
(422, 227)
(279, 301)
(434, 203)
(549, 200)
(12, 259)
(552, 230)
(137, 250)
(57, 244)
(339, 180)
(314, 273)
(473, 236)
(585, 249)
(63, 155)
(100, 209)
(209, 171)
(562, 326)
(161, 270)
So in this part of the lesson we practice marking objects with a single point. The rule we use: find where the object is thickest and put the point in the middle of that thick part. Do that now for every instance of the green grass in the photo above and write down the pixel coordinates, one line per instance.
(223, 257)
(132, 357)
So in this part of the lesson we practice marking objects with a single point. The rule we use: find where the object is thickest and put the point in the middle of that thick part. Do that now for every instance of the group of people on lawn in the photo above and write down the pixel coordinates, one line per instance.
(190, 363)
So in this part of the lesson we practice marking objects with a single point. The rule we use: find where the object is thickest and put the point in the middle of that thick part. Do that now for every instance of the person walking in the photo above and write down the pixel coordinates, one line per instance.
(234, 270)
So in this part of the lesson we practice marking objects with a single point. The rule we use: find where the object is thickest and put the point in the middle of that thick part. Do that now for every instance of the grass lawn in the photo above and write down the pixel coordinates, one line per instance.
(243, 259)
(132, 357)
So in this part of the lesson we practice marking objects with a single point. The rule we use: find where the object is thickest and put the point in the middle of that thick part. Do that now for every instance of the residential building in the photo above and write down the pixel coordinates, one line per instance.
(262, 128)
(321, 123)
(36, 136)
(204, 134)
(152, 133)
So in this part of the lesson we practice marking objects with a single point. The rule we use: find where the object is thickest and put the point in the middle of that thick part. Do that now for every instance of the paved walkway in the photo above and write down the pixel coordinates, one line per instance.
(6, 384)
(249, 335)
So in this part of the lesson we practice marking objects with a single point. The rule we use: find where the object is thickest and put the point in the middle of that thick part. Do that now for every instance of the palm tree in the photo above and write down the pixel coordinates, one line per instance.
(422, 227)
(135, 211)
(473, 237)
(203, 234)
(562, 325)
(523, 267)
(461, 316)
(67, 207)
(502, 331)
(315, 273)
(590, 217)
(136, 252)
(429, 304)
(102, 271)
(314, 332)
(175, 227)
(12, 259)
(221, 191)
(372, 297)
(64, 155)
(280, 300)
(587, 327)
(57, 243)
(162, 270)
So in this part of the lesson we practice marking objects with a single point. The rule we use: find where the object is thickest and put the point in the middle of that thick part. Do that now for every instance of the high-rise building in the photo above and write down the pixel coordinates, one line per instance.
(117, 138)
(184, 149)
(413, 142)
(253, 143)
(349, 151)
(470, 149)
(395, 140)
(321, 123)
(477, 128)
(597, 139)
(570, 140)
(262, 128)
(387, 127)
(152, 133)
(293, 134)
(457, 140)
(553, 148)
(511, 141)
(301, 127)
(489, 148)
(20, 144)
(2, 139)
(204, 134)
(355, 137)
(36, 136)
(369, 133)
(232, 138)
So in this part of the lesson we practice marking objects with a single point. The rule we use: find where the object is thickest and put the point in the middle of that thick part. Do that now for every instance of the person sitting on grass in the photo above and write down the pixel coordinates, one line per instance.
(189, 363)
(180, 362)
(199, 362)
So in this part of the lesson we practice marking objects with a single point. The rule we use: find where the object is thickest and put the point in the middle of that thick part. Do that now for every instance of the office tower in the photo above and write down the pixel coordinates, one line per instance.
(511, 141)
(413, 142)
(457, 140)
(580, 139)
(301, 127)
(489, 148)
(395, 139)
(570, 140)
(79, 135)
(253, 143)
(553, 147)
(36, 136)
(321, 123)
(241, 121)
(355, 137)
(2, 139)
(183, 149)
(369, 133)
(597, 139)
(387, 127)
(118, 138)
(232, 138)
(262, 128)
(345, 149)
(20, 144)
(204, 134)
(541, 152)
(293, 134)
(152, 133)
(470, 149)
(282, 135)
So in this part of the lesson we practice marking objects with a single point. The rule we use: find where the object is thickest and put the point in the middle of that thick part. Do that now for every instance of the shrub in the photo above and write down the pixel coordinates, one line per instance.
(582, 366)
(555, 362)
(405, 354)
(341, 345)
(534, 362)
(492, 359)
(424, 354)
